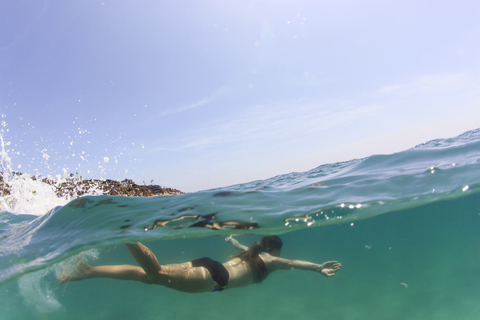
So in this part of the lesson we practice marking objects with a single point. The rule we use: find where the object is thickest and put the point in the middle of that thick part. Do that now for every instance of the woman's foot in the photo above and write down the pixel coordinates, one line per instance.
(80, 273)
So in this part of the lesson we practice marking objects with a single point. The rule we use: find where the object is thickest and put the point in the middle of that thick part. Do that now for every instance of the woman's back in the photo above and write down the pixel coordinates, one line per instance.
(241, 274)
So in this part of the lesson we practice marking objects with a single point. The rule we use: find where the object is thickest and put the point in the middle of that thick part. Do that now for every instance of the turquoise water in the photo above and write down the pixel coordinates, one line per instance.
(404, 226)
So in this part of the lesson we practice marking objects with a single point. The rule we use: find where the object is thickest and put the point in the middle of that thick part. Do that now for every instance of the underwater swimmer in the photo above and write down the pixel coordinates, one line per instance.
(252, 265)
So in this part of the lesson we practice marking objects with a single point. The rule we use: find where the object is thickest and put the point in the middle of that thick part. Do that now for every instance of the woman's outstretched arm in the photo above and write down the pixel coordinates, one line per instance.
(328, 268)
(240, 247)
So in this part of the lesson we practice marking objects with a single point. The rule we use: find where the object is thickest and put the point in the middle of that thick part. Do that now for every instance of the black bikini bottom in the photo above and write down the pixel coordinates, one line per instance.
(218, 272)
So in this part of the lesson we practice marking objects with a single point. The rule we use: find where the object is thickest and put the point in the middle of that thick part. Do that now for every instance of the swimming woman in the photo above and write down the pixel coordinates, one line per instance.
(252, 265)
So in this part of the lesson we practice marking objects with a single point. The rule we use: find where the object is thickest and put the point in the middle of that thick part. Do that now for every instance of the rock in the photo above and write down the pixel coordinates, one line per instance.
(76, 187)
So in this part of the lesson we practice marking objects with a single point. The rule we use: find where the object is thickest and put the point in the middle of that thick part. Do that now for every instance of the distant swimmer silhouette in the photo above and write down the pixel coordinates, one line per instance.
(250, 266)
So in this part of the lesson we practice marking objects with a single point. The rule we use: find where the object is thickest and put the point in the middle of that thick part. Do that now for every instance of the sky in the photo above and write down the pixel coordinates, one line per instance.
(204, 94)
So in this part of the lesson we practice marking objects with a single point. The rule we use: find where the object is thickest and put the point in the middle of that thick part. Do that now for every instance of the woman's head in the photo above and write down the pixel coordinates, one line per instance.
(271, 244)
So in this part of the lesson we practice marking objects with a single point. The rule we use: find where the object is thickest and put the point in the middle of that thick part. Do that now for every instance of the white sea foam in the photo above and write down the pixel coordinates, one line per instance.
(32, 196)
(36, 293)
(36, 287)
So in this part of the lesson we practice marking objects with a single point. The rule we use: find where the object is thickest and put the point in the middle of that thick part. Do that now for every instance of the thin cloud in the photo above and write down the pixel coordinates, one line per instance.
(427, 83)
(214, 96)
(302, 120)
(272, 122)
(307, 80)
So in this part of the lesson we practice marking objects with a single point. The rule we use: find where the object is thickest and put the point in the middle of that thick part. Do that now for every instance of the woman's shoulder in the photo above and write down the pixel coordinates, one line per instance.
(268, 258)
(275, 263)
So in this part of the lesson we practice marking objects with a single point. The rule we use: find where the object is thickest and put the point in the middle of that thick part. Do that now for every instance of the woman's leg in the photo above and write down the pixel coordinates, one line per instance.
(120, 272)
(146, 259)
(146, 273)
(181, 277)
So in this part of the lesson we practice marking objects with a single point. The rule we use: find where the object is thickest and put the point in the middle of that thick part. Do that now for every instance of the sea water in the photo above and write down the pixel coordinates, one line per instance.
(405, 226)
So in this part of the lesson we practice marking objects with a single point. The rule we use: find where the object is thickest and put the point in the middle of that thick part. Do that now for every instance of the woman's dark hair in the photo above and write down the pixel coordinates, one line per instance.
(266, 244)
(270, 243)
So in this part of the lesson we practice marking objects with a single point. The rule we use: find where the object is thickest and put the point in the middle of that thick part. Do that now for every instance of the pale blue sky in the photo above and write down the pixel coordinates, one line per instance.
(203, 94)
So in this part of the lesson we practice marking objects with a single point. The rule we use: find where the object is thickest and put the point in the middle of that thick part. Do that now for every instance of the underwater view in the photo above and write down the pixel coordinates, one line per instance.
(404, 226)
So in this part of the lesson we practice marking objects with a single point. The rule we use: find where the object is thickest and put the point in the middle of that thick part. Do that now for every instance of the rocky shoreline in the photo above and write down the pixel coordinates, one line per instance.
(77, 187)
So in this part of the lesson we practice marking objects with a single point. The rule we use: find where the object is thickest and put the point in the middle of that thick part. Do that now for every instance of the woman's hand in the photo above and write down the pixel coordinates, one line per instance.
(329, 268)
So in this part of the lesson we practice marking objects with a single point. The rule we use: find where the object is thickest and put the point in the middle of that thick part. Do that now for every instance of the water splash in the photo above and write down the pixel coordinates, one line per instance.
(32, 195)
(36, 292)
(36, 287)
